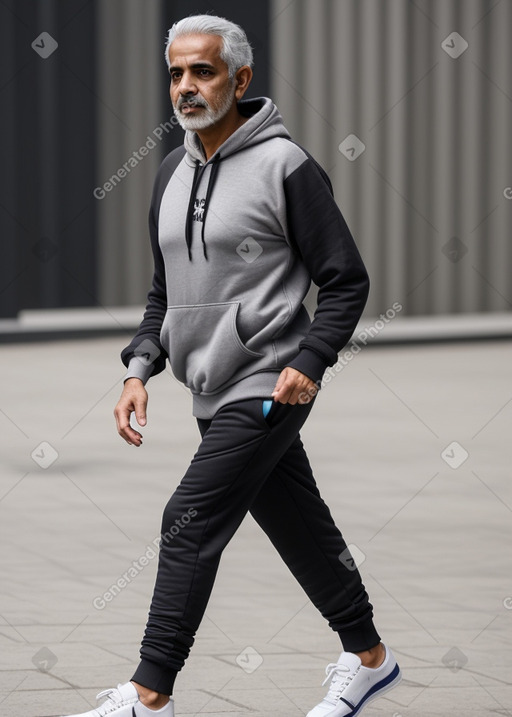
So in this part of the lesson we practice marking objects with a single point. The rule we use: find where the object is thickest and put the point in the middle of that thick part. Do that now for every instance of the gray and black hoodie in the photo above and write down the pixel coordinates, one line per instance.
(236, 242)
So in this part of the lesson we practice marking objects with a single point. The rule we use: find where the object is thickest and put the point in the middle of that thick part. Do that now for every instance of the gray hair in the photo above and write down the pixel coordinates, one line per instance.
(236, 50)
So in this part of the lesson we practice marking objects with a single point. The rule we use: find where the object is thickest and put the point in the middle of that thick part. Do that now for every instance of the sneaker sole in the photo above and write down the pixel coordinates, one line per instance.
(382, 691)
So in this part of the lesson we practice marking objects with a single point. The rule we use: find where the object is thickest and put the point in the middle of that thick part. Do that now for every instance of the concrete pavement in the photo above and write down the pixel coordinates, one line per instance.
(411, 448)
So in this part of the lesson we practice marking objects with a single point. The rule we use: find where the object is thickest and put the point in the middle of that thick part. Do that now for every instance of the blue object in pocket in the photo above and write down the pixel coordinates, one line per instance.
(267, 405)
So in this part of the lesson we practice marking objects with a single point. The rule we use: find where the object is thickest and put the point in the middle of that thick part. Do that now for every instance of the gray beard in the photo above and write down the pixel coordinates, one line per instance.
(208, 116)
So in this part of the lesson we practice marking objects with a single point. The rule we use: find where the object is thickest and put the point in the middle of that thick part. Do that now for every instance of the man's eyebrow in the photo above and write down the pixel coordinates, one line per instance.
(194, 66)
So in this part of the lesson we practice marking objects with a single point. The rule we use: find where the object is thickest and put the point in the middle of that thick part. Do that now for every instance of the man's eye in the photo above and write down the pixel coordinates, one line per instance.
(205, 73)
(175, 76)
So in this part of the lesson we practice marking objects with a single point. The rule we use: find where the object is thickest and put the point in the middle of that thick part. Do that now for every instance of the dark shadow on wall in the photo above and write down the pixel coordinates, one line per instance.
(47, 213)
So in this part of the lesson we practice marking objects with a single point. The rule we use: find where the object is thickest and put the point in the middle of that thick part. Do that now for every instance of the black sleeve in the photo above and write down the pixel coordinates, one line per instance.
(146, 346)
(319, 232)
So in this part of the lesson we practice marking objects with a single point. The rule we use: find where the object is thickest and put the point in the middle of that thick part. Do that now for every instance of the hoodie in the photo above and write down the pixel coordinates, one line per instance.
(237, 241)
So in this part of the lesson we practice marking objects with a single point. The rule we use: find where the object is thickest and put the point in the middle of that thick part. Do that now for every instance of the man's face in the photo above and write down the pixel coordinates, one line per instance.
(201, 91)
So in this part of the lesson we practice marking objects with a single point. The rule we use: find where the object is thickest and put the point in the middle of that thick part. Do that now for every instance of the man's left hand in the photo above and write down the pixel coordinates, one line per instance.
(294, 387)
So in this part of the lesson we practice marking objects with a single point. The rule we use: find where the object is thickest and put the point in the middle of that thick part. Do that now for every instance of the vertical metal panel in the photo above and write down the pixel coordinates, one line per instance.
(48, 199)
(131, 43)
(371, 71)
(396, 76)
(10, 232)
(493, 234)
(425, 200)
(285, 65)
(444, 155)
(314, 74)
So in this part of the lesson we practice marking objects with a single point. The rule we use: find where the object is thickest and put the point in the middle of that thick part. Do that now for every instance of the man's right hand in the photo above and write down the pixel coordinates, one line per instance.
(133, 399)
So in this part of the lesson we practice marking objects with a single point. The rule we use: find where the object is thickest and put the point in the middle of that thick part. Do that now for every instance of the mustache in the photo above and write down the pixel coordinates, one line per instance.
(192, 102)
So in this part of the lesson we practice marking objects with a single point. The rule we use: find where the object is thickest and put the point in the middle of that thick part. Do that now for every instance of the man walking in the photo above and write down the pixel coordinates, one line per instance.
(241, 221)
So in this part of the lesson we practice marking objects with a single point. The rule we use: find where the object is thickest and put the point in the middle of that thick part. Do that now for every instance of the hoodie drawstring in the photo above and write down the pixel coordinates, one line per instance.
(209, 190)
(198, 173)
(190, 210)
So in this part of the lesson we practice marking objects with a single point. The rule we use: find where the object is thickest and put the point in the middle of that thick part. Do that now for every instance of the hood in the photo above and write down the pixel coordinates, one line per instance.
(264, 123)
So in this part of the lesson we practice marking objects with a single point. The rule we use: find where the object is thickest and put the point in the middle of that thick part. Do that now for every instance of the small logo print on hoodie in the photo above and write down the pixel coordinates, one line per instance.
(198, 210)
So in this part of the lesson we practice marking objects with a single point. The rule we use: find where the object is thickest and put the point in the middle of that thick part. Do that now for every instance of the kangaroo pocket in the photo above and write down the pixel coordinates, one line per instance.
(204, 348)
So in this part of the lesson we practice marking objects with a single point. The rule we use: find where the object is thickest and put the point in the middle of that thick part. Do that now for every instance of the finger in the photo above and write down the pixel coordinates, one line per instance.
(279, 383)
(285, 392)
(301, 391)
(281, 397)
(119, 415)
(131, 436)
(307, 393)
(140, 411)
(290, 391)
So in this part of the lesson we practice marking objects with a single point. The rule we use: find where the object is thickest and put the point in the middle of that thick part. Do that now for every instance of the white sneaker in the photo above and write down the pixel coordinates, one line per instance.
(354, 686)
(124, 702)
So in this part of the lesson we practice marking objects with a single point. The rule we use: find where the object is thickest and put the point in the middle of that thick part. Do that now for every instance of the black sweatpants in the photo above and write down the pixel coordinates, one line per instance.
(247, 462)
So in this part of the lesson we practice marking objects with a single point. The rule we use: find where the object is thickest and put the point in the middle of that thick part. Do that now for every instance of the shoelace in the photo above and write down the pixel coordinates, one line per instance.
(341, 677)
(115, 699)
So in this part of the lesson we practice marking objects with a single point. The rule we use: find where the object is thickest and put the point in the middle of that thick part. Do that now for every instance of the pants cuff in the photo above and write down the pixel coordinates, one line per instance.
(155, 677)
(359, 637)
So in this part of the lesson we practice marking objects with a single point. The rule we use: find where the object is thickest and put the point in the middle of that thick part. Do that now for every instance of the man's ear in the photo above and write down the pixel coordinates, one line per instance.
(243, 78)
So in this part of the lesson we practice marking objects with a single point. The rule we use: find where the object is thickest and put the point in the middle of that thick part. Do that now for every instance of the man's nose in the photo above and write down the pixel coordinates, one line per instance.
(187, 84)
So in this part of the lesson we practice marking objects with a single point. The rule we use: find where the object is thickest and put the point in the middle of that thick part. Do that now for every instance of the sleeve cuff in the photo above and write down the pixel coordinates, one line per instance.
(310, 364)
(138, 368)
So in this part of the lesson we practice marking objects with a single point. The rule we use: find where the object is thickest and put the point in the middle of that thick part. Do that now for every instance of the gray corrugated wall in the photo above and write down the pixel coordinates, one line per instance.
(130, 107)
(427, 198)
